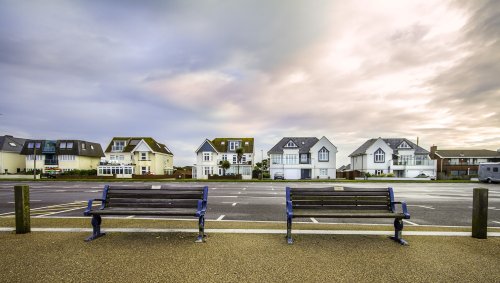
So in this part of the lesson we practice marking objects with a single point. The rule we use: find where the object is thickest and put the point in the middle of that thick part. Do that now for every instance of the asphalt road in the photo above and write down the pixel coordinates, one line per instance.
(444, 204)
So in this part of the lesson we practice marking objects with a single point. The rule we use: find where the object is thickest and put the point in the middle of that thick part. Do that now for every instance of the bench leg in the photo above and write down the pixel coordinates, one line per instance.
(398, 229)
(201, 233)
(96, 226)
(289, 230)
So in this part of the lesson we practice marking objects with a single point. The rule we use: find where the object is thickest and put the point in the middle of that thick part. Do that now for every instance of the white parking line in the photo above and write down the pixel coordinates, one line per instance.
(94, 191)
(409, 222)
(220, 217)
(61, 211)
(244, 189)
(234, 203)
(423, 206)
(130, 216)
(314, 220)
(497, 222)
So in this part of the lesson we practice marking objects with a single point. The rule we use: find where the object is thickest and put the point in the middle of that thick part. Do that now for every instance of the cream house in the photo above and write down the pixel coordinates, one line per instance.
(55, 156)
(212, 153)
(11, 161)
(126, 156)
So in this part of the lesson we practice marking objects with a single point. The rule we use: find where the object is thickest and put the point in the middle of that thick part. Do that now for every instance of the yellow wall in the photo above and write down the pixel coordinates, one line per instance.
(11, 161)
(80, 163)
(157, 163)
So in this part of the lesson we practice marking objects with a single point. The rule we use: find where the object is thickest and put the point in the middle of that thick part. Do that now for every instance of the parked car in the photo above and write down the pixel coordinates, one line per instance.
(423, 175)
(279, 175)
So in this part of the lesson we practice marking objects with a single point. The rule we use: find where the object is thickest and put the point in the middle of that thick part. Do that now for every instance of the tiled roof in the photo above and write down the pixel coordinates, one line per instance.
(304, 144)
(152, 143)
(11, 144)
(459, 153)
(91, 149)
(217, 143)
(392, 143)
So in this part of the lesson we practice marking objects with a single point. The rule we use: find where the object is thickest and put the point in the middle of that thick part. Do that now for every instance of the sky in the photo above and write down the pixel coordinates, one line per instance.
(183, 71)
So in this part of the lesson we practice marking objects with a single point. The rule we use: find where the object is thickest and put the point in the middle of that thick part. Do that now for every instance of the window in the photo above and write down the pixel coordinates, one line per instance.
(62, 145)
(495, 169)
(207, 170)
(323, 172)
(290, 143)
(144, 156)
(91, 147)
(291, 159)
(276, 158)
(69, 145)
(207, 156)
(379, 156)
(243, 159)
(323, 155)
(37, 145)
(379, 172)
(144, 170)
(303, 158)
(31, 145)
(234, 158)
(233, 145)
(404, 144)
(224, 157)
(66, 157)
(12, 144)
(118, 146)
(84, 146)
(488, 169)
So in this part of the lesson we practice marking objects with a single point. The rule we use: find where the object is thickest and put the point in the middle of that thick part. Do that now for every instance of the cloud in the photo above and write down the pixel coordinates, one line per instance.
(184, 71)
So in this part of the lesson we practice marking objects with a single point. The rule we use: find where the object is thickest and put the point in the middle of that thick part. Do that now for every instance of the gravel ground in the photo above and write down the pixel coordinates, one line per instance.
(174, 257)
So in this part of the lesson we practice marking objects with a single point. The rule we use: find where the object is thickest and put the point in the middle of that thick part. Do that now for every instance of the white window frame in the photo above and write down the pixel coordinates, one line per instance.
(323, 171)
(323, 155)
(224, 157)
(144, 156)
(379, 156)
(290, 143)
(207, 156)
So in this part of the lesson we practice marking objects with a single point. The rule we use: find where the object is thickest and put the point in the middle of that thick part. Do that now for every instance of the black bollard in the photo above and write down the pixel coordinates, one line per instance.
(480, 213)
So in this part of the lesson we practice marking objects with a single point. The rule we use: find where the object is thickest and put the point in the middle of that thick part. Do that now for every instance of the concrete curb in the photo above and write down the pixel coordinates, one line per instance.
(256, 231)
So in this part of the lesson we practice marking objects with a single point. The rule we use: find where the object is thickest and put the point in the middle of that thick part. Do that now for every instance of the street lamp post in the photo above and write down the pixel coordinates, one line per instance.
(34, 162)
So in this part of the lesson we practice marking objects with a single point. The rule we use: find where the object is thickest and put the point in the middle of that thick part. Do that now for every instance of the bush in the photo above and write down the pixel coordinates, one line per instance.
(76, 172)
(390, 175)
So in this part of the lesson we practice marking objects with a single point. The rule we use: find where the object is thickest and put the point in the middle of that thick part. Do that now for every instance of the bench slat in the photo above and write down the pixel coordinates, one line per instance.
(343, 207)
(155, 195)
(297, 213)
(339, 193)
(145, 211)
(341, 202)
(344, 189)
(153, 203)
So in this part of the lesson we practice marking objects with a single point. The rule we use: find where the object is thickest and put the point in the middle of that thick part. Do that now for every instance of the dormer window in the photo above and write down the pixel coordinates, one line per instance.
(379, 156)
(404, 144)
(290, 143)
(69, 145)
(118, 146)
(12, 144)
(31, 145)
(62, 145)
(84, 146)
(233, 145)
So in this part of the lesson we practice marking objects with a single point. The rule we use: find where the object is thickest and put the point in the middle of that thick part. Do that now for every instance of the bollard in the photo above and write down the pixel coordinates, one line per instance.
(22, 204)
(480, 213)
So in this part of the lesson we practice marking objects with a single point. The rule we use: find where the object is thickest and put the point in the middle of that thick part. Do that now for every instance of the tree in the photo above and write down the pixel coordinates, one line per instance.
(225, 165)
(239, 152)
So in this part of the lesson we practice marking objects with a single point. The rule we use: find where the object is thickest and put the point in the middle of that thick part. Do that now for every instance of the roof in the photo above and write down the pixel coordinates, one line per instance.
(79, 148)
(460, 153)
(11, 144)
(217, 143)
(304, 144)
(129, 147)
(393, 143)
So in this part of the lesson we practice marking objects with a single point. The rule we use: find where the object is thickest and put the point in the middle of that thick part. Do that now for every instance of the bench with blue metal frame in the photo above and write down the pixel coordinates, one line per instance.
(344, 202)
(147, 201)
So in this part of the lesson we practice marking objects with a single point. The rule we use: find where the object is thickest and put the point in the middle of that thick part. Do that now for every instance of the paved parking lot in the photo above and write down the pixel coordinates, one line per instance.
(445, 204)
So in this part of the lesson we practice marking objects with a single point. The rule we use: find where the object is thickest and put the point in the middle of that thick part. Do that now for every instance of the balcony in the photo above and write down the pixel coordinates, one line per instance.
(51, 162)
(413, 162)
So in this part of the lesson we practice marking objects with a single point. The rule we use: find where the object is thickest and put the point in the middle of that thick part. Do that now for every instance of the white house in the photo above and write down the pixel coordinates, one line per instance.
(303, 158)
(210, 155)
(398, 156)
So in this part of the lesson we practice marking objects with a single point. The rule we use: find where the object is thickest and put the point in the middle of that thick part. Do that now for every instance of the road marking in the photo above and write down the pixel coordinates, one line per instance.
(497, 222)
(95, 191)
(220, 217)
(314, 220)
(96, 187)
(214, 188)
(234, 203)
(409, 222)
(239, 193)
(423, 206)
(56, 212)
(131, 216)
(60, 191)
(244, 189)
(155, 187)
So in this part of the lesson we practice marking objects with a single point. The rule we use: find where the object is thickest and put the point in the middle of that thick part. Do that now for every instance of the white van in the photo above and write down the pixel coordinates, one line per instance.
(489, 172)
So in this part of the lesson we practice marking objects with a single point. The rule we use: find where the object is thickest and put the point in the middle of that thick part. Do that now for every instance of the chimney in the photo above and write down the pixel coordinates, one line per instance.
(433, 149)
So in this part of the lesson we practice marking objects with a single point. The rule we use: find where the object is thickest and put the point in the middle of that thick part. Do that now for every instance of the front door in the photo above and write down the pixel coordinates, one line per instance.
(305, 173)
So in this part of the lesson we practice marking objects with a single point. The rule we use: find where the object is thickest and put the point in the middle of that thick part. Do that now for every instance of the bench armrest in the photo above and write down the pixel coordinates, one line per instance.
(89, 205)
(289, 210)
(202, 208)
(403, 207)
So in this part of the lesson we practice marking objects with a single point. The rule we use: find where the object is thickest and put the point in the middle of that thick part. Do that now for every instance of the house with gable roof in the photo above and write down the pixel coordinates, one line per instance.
(398, 156)
(127, 156)
(11, 161)
(211, 153)
(303, 158)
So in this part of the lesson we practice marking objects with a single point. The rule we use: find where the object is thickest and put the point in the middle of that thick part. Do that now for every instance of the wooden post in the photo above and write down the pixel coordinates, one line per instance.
(480, 213)
(22, 205)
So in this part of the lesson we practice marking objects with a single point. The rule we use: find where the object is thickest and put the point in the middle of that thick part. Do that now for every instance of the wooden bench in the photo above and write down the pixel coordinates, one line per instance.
(149, 201)
(344, 202)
